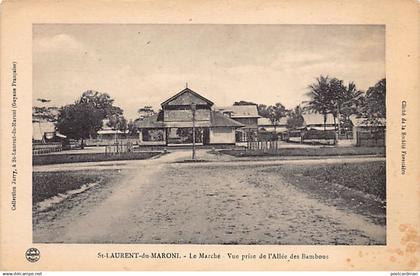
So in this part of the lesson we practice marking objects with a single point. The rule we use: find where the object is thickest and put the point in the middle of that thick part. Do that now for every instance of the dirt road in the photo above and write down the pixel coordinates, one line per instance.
(217, 202)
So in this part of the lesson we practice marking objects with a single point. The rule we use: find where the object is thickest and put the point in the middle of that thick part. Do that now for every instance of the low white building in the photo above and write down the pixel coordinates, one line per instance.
(44, 131)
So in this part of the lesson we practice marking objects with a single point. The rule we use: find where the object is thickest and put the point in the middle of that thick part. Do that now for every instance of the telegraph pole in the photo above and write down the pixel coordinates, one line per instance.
(193, 109)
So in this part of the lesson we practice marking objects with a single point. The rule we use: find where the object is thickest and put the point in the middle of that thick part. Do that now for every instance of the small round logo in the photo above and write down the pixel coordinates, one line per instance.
(32, 255)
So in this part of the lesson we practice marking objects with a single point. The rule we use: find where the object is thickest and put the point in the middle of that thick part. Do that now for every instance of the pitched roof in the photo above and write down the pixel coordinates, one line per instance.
(317, 119)
(40, 128)
(153, 121)
(241, 111)
(181, 99)
(266, 122)
(217, 119)
(110, 131)
(363, 122)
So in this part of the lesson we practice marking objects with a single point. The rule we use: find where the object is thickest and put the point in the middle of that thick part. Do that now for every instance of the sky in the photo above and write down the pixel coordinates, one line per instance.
(141, 65)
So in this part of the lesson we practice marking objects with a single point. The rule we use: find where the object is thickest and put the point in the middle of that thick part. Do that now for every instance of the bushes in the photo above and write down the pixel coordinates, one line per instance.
(319, 134)
(319, 151)
(88, 157)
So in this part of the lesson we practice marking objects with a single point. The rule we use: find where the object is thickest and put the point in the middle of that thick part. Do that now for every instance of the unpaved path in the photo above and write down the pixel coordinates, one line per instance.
(219, 202)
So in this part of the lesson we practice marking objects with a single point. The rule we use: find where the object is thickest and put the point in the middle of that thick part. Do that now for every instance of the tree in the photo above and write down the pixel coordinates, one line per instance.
(131, 126)
(295, 119)
(277, 112)
(352, 104)
(331, 96)
(44, 113)
(117, 122)
(273, 112)
(82, 119)
(244, 103)
(337, 92)
(321, 97)
(115, 117)
(79, 121)
(101, 101)
(145, 111)
(374, 109)
(262, 110)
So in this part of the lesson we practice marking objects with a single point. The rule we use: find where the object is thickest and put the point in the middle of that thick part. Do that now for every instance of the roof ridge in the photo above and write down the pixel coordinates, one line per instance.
(184, 91)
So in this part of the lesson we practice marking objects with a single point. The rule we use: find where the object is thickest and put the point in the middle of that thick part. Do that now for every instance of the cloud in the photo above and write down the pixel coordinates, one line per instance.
(59, 42)
(264, 64)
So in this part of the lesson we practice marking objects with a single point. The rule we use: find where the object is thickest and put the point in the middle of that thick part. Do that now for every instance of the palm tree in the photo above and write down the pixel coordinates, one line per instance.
(338, 96)
(352, 102)
(321, 98)
(295, 119)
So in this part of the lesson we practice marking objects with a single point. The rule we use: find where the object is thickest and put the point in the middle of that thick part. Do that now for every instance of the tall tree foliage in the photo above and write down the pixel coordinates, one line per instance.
(83, 118)
(145, 111)
(44, 113)
(295, 118)
(374, 109)
(104, 104)
(262, 110)
(352, 104)
(321, 97)
(273, 112)
(332, 96)
(337, 92)
(244, 103)
(131, 127)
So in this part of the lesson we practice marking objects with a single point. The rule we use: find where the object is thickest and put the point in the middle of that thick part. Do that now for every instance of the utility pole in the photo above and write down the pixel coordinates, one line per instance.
(339, 124)
(193, 109)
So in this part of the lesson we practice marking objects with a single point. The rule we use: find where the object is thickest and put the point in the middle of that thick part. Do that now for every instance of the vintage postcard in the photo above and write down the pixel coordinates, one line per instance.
(209, 135)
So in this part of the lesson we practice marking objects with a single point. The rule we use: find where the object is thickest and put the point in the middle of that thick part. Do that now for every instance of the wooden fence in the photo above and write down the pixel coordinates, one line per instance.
(109, 142)
(263, 145)
(370, 139)
(118, 148)
(42, 148)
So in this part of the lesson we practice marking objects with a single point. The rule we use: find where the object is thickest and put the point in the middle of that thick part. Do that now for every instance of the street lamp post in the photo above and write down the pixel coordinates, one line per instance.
(193, 109)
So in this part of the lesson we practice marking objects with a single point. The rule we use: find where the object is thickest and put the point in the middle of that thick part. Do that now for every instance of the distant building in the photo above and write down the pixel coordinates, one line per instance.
(316, 121)
(108, 133)
(267, 128)
(173, 125)
(44, 132)
(246, 115)
(367, 135)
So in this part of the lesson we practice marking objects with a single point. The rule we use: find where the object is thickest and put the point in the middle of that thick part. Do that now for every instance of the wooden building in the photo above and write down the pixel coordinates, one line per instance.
(174, 123)
(246, 115)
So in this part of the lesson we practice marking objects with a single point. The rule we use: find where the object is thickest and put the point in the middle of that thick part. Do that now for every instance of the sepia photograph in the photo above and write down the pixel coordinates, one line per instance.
(219, 134)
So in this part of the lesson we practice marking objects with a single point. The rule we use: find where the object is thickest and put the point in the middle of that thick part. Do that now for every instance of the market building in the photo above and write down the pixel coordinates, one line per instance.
(180, 115)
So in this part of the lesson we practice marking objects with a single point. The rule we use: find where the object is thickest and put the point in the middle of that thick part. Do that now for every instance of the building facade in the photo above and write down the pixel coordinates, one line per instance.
(180, 114)
(248, 116)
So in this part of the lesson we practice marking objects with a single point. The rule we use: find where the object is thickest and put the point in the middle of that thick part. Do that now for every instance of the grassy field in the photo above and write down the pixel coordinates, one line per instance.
(46, 159)
(48, 184)
(360, 187)
(315, 151)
